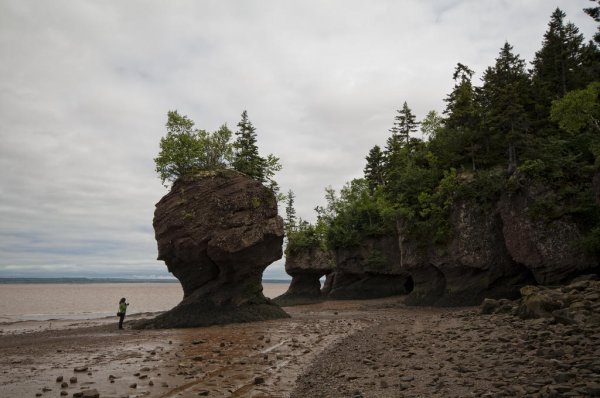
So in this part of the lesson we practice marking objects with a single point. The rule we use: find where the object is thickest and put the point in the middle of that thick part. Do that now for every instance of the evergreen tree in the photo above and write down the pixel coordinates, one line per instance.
(594, 12)
(557, 65)
(290, 221)
(460, 141)
(374, 169)
(505, 93)
(404, 123)
(246, 158)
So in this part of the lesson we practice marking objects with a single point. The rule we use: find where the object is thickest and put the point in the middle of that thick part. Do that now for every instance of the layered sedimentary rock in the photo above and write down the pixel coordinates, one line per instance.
(495, 250)
(548, 248)
(370, 270)
(217, 232)
(306, 266)
(474, 264)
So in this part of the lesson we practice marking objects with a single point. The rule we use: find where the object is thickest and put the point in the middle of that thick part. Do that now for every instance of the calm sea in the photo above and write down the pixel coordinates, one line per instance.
(92, 300)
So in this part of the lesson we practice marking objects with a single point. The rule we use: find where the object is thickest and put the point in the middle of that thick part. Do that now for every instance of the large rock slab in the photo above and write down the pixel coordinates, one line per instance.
(217, 232)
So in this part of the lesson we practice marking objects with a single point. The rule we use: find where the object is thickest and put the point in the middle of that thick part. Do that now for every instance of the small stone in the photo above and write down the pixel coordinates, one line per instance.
(151, 383)
(46, 389)
(38, 394)
(133, 385)
(203, 393)
(81, 369)
(73, 380)
(259, 380)
(64, 384)
(92, 393)
(63, 393)
(59, 379)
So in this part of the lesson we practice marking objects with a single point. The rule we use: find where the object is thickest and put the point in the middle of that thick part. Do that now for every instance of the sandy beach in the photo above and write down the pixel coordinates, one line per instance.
(374, 348)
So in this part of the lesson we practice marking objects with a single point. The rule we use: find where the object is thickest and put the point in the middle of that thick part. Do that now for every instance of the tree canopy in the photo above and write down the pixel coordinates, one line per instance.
(540, 123)
(185, 150)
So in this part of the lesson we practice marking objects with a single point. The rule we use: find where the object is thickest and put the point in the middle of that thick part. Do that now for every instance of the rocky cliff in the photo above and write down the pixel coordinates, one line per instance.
(217, 232)
(494, 251)
(474, 263)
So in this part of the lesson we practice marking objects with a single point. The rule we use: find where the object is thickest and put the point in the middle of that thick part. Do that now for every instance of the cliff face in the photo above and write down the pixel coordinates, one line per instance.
(217, 232)
(547, 248)
(493, 252)
(473, 265)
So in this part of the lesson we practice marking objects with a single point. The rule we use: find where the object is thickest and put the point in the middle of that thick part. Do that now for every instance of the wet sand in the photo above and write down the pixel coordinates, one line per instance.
(374, 348)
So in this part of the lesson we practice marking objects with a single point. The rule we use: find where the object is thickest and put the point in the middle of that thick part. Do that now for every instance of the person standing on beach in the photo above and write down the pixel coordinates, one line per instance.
(122, 310)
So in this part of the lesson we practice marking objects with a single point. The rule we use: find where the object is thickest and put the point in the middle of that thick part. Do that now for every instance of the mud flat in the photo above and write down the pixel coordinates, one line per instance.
(374, 348)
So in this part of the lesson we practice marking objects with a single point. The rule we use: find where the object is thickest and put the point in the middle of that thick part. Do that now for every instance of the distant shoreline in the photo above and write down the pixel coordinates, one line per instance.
(15, 281)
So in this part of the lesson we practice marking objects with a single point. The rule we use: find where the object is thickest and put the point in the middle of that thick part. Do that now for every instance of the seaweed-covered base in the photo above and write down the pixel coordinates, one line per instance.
(204, 312)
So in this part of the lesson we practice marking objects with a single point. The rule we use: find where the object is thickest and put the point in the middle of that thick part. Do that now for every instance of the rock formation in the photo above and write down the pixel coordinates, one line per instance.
(217, 232)
(492, 251)
(306, 266)
(474, 264)
(546, 247)
(370, 270)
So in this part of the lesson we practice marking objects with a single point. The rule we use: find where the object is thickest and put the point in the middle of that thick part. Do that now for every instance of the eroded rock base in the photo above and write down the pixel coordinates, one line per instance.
(205, 313)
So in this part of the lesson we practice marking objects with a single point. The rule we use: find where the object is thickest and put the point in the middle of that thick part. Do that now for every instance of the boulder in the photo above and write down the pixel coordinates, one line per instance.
(217, 232)
(576, 303)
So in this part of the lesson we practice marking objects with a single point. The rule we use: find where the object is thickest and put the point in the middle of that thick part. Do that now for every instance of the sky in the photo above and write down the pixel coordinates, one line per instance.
(85, 87)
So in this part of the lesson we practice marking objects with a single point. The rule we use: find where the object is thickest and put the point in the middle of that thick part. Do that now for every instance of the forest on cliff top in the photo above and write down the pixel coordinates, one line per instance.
(522, 125)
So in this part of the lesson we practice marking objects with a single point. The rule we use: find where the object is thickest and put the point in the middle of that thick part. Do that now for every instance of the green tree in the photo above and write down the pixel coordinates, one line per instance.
(374, 169)
(506, 97)
(557, 65)
(578, 110)
(461, 140)
(246, 158)
(290, 221)
(185, 149)
(404, 123)
(431, 124)
(594, 12)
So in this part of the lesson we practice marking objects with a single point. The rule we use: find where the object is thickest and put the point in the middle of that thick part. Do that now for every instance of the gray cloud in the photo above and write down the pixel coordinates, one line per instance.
(85, 87)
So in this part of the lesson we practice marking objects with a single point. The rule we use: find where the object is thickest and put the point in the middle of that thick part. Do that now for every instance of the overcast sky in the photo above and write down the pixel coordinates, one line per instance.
(85, 87)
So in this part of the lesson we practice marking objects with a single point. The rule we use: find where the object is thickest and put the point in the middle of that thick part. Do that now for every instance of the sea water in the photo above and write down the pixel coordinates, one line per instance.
(34, 301)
